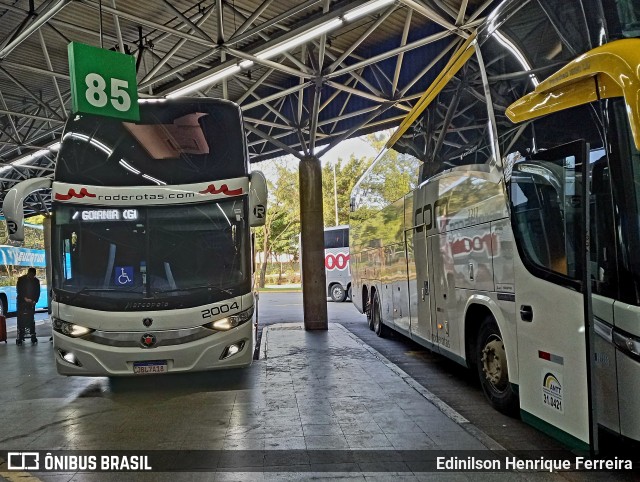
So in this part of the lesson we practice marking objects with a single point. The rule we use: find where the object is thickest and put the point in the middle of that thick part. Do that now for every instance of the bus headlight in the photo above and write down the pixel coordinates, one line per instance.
(70, 329)
(232, 321)
(628, 344)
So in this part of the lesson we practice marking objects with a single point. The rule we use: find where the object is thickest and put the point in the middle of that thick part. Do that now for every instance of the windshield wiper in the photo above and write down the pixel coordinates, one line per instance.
(193, 288)
(86, 290)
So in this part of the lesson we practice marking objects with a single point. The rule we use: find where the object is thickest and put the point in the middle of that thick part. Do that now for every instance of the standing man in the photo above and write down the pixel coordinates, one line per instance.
(28, 289)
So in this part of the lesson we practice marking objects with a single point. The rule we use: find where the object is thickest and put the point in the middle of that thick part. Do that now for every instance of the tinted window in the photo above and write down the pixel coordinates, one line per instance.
(546, 210)
(175, 142)
(336, 238)
(181, 255)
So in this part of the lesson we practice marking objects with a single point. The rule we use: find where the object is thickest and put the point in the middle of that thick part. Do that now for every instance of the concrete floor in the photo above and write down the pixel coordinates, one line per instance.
(317, 405)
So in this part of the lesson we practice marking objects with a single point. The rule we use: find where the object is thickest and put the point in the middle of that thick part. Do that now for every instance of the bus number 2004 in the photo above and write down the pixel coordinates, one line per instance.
(220, 309)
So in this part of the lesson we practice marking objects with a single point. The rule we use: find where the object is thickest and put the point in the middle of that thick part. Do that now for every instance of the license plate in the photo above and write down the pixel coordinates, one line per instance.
(150, 367)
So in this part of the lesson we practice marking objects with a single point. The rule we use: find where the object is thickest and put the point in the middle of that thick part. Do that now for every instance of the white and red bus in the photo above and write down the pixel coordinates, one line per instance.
(336, 262)
(151, 245)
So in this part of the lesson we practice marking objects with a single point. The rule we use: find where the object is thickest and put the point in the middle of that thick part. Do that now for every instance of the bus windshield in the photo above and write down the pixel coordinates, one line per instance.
(165, 256)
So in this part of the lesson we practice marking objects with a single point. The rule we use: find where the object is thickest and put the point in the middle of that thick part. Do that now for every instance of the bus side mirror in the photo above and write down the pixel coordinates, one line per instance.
(13, 205)
(257, 199)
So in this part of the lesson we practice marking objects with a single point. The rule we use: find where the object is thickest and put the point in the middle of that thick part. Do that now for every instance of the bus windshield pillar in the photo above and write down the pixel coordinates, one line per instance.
(314, 295)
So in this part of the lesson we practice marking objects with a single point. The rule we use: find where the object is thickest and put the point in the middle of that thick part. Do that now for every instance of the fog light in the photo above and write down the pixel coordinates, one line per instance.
(69, 357)
(232, 350)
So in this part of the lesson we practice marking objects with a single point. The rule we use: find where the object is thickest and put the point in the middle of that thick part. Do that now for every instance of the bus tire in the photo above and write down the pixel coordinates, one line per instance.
(493, 372)
(3, 306)
(337, 293)
(376, 318)
(369, 312)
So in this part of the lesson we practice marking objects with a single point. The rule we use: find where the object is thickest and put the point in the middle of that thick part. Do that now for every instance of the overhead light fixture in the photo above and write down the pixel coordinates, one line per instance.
(299, 39)
(365, 9)
(264, 55)
(282, 47)
(205, 81)
(51, 148)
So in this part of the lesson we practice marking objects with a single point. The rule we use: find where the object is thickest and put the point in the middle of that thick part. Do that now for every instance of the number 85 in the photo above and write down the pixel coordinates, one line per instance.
(97, 97)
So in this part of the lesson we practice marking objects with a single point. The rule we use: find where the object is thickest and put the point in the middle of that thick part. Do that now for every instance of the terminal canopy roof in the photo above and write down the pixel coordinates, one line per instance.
(321, 71)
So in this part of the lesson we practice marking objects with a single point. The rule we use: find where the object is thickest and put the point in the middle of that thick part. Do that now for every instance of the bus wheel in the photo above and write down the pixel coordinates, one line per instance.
(491, 360)
(376, 318)
(338, 293)
(369, 312)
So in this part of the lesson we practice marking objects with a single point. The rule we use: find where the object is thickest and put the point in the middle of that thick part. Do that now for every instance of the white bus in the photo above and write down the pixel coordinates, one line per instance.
(483, 260)
(151, 242)
(336, 262)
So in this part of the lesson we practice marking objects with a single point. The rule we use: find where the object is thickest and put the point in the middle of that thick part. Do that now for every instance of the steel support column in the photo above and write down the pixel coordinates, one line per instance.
(314, 280)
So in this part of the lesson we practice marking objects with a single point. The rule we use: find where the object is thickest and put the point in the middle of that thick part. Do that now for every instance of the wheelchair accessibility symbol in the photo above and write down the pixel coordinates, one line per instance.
(123, 275)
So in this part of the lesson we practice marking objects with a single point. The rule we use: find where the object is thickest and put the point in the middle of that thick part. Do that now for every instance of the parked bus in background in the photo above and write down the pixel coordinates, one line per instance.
(151, 243)
(483, 260)
(336, 262)
(14, 261)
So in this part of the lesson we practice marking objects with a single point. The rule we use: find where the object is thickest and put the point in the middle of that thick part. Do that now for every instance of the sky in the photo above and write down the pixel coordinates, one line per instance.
(356, 145)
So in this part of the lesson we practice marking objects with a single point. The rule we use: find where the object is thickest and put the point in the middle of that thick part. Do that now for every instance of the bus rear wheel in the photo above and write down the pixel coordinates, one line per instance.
(491, 361)
(337, 293)
(376, 318)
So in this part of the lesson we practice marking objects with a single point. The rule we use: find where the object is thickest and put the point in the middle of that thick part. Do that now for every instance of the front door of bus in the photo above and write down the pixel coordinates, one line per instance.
(547, 218)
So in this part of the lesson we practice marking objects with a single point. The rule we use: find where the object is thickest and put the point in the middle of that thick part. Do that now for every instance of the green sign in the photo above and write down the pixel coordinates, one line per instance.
(103, 82)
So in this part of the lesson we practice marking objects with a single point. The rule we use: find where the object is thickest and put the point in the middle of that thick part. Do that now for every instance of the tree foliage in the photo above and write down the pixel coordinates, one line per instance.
(282, 222)
(346, 175)
(282, 226)
(377, 200)
(33, 237)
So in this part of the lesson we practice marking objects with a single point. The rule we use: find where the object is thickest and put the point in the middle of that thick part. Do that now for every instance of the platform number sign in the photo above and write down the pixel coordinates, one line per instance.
(103, 82)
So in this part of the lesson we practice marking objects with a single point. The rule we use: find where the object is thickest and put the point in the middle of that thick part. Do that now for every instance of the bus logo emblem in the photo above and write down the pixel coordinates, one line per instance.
(148, 340)
(147, 322)
(72, 193)
(224, 189)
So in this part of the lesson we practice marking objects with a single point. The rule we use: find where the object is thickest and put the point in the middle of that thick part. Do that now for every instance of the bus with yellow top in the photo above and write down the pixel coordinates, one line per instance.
(515, 249)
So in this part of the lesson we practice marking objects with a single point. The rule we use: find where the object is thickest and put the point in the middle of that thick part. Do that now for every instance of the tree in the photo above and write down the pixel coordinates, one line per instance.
(346, 176)
(378, 198)
(282, 222)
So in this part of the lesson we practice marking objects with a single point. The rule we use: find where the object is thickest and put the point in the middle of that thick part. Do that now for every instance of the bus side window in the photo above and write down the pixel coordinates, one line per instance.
(66, 261)
(547, 215)
(603, 242)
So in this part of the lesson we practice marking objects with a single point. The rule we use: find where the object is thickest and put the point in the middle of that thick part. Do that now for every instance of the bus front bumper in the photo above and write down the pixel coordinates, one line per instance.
(79, 357)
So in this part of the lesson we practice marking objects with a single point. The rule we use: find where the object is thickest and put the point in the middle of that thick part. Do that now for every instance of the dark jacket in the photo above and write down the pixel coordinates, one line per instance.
(27, 288)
